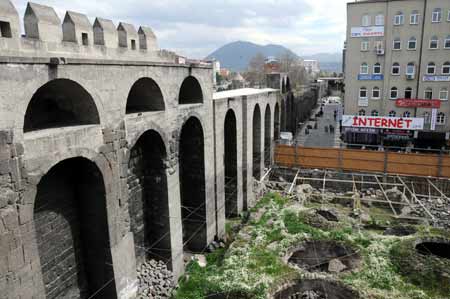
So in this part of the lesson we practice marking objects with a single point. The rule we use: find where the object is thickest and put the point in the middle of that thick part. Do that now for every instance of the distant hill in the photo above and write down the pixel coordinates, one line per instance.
(236, 56)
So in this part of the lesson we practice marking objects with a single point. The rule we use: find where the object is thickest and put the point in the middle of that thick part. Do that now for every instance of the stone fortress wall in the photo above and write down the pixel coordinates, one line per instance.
(113, 152)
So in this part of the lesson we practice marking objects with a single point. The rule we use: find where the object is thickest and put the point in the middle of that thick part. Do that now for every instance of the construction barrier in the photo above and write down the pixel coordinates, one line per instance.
(415, 164)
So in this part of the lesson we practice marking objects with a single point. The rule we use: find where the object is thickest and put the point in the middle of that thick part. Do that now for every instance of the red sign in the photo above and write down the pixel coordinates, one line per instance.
(418, 103)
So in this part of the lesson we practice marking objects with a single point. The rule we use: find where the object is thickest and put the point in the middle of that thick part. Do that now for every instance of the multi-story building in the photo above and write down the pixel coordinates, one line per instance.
(397, 67)
(311, 66)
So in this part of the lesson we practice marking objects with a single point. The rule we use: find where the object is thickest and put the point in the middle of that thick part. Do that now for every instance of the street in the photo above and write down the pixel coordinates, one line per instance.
(319, 137)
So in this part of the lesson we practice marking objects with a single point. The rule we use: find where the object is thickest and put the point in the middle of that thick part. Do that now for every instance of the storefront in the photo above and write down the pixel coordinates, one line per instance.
(431, 140)
(384, 131)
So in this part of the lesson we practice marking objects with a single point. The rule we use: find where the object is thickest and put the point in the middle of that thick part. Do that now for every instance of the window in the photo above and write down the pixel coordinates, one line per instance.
(374, 113)
(431, 68)
(395, 69)
(427, 117)
(364, 69)
(397, 44)
(428, 93)
(411, 69)
(447, 43)
(376, 93)
(377, 68)
(363, 93)
(434, 42)
(365, 20)
(443, 94)
(379, 20)
(133, 44)
(412, 43)
(446, 68)
(406, 114)
(392, 114)
(437, 15)
(414, 18)
(85, 39)
(365, 45)
(5, 29)
(448, 16)
(399, 18)
(394, 93)
(440, 118)
(408, 93)
(362, 112)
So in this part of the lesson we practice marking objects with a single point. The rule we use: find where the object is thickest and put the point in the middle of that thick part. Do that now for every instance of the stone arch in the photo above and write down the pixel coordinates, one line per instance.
(148, 198)
(256, 142)
(145, 95)
(190, 92)
(283, 115)
(60, 103)
(276, 122)
(71, 224)
(192, 185)
(267, 136)
(230, 162)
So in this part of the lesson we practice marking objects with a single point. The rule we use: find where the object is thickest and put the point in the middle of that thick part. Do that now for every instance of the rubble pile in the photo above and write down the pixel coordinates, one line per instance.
(155, 280)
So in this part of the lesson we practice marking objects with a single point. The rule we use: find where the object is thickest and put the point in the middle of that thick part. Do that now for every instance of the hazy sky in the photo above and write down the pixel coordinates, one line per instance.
(197, 27)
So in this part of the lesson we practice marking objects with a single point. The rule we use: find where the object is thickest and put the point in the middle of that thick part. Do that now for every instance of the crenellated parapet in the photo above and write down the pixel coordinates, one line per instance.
(75, 37)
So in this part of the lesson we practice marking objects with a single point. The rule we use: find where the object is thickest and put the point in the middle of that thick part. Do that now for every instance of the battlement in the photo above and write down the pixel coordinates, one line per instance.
(75, 37)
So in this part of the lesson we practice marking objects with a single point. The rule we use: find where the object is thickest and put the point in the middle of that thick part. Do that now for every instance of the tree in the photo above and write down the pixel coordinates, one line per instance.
(255, 74)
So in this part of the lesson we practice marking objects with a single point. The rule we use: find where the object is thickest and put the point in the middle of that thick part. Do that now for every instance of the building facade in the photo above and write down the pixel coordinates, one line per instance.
(397, 65)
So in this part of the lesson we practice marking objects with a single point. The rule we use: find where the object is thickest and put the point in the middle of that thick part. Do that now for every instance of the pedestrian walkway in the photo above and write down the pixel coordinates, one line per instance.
(321, 137)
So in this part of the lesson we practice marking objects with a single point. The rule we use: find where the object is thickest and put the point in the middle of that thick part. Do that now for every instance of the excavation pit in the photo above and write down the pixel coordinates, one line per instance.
(325, 256)
(316, 289)
(437, 249)
(400, 231)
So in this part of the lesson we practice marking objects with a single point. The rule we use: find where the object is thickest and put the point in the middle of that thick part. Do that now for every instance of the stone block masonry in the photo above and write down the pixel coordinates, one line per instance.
(110, 157)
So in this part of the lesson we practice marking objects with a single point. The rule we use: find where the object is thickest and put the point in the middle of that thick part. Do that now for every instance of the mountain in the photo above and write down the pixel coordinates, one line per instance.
(236, 56)
(331, 62)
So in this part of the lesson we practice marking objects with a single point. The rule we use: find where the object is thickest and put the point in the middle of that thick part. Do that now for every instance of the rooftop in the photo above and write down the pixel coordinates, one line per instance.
(241, 92)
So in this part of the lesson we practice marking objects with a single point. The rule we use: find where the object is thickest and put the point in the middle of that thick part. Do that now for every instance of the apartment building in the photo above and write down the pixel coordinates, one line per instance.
(397, 70)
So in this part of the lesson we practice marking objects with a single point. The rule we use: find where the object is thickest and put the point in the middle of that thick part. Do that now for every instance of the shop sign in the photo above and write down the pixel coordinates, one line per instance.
(371, 31)
(417, 103)
(363, 102)
(362, 130)
(369, 77)
(428, 78)
(433, 119)
(380, 122)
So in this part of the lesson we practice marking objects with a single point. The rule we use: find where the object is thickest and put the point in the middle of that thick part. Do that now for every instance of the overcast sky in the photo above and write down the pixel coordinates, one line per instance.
(197, 27)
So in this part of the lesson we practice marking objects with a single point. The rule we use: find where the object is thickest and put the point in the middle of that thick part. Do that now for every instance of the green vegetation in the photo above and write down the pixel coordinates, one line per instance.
(253, 263)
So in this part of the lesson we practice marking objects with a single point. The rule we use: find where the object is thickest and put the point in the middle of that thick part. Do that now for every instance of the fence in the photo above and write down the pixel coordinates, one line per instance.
(402, 163)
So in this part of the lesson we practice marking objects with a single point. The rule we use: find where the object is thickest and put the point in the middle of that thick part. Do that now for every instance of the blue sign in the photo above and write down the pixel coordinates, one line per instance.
(436, 78)
(370, 77)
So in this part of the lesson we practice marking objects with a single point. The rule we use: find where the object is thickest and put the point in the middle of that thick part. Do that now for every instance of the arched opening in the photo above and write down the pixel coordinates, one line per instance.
(72, 232)
(230, 157)
(192, 185)
(276, 124)
(267, 137)
(283, 115)
(283, 86)
(148, 199)
(257, 143)
(60, 103)
(288, 84)
(190, 92)
(145, 95)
